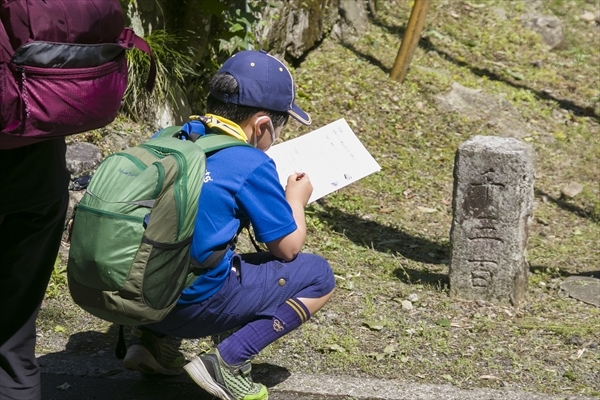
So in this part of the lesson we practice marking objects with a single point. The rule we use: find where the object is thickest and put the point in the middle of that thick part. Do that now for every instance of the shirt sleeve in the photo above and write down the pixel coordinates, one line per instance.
(262, 199)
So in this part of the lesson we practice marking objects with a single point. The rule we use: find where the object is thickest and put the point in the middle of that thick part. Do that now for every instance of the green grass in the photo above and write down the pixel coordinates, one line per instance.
(383, 247)
(173, 67)
(58, 280)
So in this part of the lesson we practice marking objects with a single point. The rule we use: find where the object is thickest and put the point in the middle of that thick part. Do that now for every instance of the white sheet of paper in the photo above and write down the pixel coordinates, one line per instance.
(332, 156)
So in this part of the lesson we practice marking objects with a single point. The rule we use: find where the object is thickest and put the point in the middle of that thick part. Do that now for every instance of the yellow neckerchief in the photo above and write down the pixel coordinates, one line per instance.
(222, 124)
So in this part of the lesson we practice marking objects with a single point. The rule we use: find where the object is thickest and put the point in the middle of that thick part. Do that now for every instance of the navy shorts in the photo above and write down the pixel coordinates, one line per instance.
(257, 285)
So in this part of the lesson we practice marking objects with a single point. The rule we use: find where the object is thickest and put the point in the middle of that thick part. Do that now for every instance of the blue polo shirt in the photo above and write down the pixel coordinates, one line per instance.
(240, 184)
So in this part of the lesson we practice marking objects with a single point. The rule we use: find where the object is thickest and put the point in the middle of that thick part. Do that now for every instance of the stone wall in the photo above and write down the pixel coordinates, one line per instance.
(288, 29)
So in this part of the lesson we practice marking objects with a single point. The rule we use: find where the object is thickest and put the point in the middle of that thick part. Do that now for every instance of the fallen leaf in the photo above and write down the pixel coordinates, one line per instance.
(482, 5)
(377, 356)
(389, 349)
(436, 34)
(426, 209)
(64, 386)
(443, 322)
(332, 347)
(491, 377)
(375, 325)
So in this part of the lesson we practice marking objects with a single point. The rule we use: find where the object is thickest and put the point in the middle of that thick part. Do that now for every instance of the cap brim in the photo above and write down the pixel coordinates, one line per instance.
(299, 115)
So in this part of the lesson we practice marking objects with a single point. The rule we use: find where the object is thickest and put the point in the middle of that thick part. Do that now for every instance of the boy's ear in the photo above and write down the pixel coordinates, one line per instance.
(261, 121)
(249, 124)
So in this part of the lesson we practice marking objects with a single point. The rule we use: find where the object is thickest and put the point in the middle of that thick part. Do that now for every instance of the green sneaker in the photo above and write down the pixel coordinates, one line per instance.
(150, 354)
(227, 382)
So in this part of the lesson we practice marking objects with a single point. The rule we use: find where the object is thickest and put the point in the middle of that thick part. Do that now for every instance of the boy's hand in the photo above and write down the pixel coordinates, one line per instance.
(298, 188)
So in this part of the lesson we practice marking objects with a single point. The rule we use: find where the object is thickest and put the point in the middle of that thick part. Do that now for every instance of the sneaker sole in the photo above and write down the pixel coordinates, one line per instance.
(198, 372)
(138, 358)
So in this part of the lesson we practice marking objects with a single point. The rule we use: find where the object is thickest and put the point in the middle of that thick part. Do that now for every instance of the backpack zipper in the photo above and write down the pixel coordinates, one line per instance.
(108, 214)
(24, 91)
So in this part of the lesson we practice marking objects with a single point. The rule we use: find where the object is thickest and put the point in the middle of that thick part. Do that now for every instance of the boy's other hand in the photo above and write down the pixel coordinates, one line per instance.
(298, 188)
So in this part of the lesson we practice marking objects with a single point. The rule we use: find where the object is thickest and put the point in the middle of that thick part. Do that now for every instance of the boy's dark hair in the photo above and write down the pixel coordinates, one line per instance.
(226, 83)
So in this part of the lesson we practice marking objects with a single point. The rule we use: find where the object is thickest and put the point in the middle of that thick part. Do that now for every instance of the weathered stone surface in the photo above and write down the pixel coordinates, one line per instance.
(290, 29)
(114, 142)
(548, 26)
(583, 288)
(588, 16)
(75, 197)
(353, 21)
(145, 16)
(82, 158)
(174, 113)
(492, 212)
(571, 190)
(493, 111)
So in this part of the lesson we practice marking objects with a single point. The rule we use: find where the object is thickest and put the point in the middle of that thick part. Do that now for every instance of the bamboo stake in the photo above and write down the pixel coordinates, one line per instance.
(410, 39)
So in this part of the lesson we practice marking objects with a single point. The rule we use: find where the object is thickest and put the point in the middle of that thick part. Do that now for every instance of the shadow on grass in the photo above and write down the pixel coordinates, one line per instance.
(562, 273)
(426, 44)
(383, 238)
(91, 354)
(441, 281)
(565, 205)
(413, 276)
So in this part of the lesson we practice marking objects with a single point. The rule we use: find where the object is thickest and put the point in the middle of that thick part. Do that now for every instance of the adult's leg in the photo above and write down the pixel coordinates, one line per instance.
(30, 241)
(19, 371)
(34, 181)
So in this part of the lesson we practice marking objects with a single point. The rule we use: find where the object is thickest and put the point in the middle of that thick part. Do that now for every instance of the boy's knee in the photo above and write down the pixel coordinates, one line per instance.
(321, 272)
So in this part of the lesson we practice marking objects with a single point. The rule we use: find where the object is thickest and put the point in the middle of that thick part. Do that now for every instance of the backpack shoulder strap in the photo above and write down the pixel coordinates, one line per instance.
(169, 131)
(215, 141)
(209, 143)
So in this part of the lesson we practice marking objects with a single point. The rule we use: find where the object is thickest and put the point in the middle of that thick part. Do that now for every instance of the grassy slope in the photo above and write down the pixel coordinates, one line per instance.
(384, 248)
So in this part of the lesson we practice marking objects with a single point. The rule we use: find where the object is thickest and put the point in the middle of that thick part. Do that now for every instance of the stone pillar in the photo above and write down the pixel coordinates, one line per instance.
(492, 211)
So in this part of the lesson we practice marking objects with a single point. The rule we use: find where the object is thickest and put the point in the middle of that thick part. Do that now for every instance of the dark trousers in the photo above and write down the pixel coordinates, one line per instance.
(30, 240)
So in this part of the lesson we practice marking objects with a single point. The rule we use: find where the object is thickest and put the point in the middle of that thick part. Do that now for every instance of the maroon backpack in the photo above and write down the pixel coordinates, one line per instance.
(63, 68)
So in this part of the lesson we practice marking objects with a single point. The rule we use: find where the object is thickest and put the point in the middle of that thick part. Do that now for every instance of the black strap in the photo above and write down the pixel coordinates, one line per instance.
(211, 262)
(121, 349)
(217, 256)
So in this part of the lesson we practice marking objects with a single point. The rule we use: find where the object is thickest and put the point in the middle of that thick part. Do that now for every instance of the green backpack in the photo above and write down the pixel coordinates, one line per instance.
(129, 256)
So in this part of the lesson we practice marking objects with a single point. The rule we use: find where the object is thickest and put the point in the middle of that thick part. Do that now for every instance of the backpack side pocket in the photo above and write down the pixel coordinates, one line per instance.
(52, 102)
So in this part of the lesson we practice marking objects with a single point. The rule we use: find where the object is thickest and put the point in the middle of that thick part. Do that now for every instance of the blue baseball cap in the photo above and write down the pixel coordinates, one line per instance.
(263, 82)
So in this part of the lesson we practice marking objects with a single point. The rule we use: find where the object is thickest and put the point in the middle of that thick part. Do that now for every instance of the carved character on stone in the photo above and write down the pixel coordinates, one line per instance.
(482, 273)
